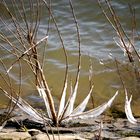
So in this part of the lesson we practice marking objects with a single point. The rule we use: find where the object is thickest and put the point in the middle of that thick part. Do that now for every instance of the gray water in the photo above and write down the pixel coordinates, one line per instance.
(96, 43)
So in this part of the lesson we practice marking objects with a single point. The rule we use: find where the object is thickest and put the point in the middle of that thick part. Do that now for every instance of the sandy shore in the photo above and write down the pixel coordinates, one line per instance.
(21, 127)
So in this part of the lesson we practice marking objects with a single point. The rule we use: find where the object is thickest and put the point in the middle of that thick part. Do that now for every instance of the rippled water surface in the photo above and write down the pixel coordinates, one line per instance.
(96, 43)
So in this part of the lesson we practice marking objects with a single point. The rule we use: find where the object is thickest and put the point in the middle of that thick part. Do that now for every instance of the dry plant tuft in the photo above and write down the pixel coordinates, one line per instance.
(26, 49)
(127, 43)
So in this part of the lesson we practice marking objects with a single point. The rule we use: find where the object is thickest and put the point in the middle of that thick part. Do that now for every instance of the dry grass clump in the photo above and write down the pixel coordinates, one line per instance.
(25, 49)
(127, 42)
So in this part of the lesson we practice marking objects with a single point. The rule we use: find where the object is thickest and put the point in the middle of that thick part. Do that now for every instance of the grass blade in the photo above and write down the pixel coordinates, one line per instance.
(128, 110)
(62, 101)
(72, 98)
(42, 94)
(80, 108)
(24, 106)
(93, 112)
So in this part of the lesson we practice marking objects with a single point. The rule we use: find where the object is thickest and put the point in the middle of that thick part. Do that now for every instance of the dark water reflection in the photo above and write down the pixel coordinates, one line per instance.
(96, 42)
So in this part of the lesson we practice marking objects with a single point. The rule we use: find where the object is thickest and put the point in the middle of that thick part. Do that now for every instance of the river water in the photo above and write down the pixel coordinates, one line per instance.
(96, 44)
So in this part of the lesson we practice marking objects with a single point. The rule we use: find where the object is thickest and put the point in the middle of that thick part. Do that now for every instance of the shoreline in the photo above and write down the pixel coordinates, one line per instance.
(22, 127)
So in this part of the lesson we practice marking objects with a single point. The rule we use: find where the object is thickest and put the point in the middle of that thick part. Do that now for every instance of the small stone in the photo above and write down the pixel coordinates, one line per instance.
(33, 132)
